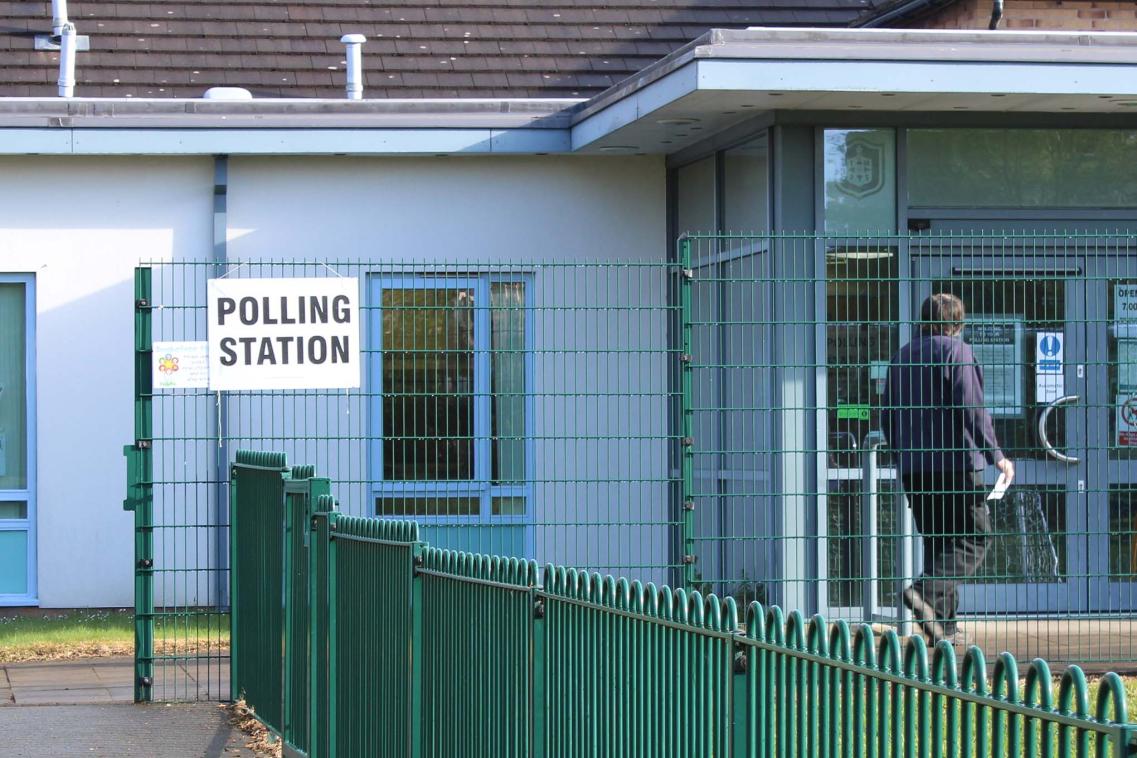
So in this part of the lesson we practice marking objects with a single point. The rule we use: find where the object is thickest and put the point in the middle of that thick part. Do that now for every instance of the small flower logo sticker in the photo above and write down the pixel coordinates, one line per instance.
(168, 364)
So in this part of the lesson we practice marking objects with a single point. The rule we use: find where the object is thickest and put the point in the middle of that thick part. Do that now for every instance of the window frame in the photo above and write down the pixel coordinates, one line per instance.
(28, 495)
(481, 485)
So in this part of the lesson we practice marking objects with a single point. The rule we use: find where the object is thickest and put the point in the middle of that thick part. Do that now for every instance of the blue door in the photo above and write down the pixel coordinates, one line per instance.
(17, 449)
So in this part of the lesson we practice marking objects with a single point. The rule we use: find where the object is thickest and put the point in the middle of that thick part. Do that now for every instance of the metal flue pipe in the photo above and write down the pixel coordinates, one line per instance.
(354, 44)
(64, 30)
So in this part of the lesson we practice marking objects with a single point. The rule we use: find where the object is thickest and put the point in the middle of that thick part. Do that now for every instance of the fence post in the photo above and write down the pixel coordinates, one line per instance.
(537, 671)
(140, 487)
(414, 702)
(318, 714)
(686, 414)
(333, 625)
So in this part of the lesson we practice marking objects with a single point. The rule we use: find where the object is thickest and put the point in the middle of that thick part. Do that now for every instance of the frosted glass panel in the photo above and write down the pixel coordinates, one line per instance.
(13, 563)
(13, 389)
(860, 181)
(745, 182)
(1022, 168)
(695, 197)
(13, 510)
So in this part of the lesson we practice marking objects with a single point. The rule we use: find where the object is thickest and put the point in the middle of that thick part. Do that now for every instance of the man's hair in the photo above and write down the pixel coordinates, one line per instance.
(942, 313)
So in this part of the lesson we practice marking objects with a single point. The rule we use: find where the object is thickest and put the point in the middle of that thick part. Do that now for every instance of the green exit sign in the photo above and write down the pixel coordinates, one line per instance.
(853, 412)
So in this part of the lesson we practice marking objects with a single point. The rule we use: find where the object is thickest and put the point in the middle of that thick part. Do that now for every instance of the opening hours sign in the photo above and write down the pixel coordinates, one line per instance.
(283, 333)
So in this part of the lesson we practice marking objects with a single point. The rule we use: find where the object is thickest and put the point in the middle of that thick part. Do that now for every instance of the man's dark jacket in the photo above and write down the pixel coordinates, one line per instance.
(934, 417)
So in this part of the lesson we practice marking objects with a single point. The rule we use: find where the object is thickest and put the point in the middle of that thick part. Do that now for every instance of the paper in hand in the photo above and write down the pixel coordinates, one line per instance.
(1001, 487)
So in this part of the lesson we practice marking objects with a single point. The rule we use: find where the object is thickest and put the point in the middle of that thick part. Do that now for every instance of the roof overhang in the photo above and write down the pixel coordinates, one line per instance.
(727, 76)
(719, 80)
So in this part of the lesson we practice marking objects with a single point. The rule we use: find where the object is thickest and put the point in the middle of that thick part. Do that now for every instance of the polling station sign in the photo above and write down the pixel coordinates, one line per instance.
(283, 333)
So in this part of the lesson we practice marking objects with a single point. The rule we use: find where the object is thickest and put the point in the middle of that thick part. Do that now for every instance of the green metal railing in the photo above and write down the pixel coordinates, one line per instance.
(423, 652)
(708, 421)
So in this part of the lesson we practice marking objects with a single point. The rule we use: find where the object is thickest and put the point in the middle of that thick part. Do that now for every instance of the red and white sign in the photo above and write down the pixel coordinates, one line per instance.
(1126, 421)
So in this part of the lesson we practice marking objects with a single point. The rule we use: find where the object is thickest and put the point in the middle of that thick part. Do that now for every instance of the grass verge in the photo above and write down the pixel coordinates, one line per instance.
(88, 633)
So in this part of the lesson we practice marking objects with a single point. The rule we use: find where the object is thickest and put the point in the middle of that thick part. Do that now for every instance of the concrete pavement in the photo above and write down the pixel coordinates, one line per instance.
(83, 707)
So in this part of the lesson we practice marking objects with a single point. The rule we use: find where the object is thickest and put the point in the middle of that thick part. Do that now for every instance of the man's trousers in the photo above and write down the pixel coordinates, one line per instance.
(950, 511)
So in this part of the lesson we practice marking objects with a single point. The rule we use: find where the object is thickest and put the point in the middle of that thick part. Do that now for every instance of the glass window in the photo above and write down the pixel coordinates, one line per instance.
(453, 399)
(13, 388)
(746, 197)
(860, 181)
(861, 302)
(1022, 168)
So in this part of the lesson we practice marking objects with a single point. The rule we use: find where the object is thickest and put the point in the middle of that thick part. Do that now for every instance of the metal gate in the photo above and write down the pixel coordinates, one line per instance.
(525, 409)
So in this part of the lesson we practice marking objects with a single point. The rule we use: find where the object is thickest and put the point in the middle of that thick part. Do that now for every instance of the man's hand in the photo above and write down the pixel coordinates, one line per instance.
(1007, 468)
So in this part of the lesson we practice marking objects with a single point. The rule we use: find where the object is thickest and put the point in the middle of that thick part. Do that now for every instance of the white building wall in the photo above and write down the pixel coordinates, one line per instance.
(407, 213)
(81, 225)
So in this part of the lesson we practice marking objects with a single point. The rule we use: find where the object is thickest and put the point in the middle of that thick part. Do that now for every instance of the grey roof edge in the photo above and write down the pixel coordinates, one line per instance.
(898, 45)
(510, 113)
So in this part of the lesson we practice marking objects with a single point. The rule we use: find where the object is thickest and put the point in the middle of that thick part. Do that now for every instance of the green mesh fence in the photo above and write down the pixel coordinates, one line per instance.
(713, 420)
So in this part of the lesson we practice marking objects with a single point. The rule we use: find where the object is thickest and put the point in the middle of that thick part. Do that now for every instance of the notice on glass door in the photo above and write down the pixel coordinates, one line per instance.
(1126, 421)
(1049, 366)
(998, 347)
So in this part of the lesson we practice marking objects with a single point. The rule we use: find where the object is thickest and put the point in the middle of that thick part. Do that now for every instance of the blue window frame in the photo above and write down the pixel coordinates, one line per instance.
(451, 378)
(18, 580)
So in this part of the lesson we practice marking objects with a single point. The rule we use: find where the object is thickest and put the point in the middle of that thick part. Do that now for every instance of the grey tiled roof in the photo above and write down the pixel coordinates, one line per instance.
(415, 48)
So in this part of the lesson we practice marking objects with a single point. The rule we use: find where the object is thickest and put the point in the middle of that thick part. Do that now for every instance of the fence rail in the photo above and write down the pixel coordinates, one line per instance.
(416, 651)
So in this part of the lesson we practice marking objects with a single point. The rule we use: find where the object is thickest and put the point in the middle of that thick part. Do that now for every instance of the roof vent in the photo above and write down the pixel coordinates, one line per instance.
(227, 93)
(354, 65)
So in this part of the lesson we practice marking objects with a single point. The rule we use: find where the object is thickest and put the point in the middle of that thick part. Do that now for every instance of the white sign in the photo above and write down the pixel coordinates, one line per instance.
(180, 365)
(1049, 366)
(1127, 365)
(1125, 303)
(1126, 421)
(283, 333)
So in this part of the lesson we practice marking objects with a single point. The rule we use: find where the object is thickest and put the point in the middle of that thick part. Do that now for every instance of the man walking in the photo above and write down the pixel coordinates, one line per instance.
(936, 422)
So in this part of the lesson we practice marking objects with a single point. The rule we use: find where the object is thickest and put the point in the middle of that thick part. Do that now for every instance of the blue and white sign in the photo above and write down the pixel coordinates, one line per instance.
(1049, 366)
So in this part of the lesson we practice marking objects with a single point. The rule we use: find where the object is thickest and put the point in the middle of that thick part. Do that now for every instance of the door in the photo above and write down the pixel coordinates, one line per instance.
(1026, 318)
(17, 448)
(1112, 389)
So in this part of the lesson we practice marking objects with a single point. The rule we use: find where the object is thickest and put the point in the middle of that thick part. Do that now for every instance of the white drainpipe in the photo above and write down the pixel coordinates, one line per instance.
(62, 28)
(354, 44)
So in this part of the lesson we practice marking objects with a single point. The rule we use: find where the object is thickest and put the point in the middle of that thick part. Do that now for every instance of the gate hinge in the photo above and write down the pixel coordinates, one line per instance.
(145, 681)
(143, 444)
(538, 608)
(146, 563)
(685, 358)
(688, 441)
(688, 274)
(141, 304)
(689, 559)
(688, 505)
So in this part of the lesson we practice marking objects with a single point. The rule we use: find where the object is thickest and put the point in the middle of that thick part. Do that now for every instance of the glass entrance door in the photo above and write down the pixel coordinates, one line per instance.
(1111, 374)
(1026, 325)
(17, 453)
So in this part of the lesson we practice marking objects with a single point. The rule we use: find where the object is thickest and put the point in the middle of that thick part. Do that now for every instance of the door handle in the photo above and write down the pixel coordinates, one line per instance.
(1056, 455)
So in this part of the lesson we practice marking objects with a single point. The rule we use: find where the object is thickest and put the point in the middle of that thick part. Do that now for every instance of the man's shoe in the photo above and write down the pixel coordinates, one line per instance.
(924, 614)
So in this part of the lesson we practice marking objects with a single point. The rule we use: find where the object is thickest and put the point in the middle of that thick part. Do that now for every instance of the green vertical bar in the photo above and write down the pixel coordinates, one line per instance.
(686, 414)
(143, 489)
(234, 641)
(537, 686)
(333, 630)
(415, 713)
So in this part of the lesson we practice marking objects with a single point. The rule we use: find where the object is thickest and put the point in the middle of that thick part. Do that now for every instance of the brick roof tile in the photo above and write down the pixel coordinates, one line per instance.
(415, 48)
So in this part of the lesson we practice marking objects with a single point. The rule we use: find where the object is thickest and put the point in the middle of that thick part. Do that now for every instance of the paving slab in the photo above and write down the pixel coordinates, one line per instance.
(98, 680)
(121, 731)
